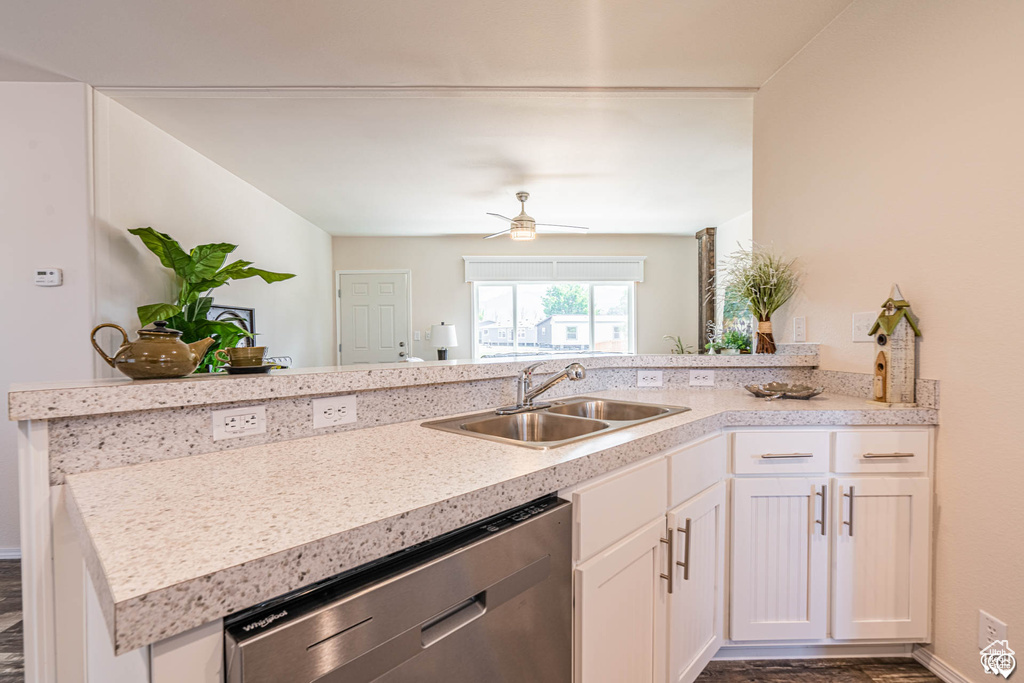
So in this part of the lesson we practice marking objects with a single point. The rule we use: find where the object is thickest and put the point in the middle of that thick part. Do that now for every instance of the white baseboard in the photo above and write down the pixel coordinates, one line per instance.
(10, 553)
(938, 667)
(813, 651)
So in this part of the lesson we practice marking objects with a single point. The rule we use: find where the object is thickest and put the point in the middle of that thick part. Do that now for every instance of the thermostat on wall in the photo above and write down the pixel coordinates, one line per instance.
(49, 277)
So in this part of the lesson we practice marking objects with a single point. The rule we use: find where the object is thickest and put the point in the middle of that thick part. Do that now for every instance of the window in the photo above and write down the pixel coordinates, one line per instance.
(567, 317)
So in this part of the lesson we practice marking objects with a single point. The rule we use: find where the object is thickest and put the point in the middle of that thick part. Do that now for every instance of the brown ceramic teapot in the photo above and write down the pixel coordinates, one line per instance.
(158, 353)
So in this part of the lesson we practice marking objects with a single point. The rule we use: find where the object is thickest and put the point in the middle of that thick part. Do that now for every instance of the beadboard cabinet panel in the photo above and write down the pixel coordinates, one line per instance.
(779, 560)
(697, 601)
(881, 552)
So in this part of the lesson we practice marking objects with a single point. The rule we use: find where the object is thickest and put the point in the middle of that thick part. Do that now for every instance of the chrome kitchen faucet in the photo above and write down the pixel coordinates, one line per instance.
(525, 393)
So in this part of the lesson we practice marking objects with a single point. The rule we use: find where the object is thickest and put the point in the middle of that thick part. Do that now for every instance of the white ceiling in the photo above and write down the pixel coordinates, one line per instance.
(436, 165)
(500, 110)
(718, 43)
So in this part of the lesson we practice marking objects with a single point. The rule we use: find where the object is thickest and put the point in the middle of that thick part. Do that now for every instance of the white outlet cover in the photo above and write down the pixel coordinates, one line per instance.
(862, 322)
(702, 378)
(334, 411)
(649, 378)
(232, 423)
(990, 629)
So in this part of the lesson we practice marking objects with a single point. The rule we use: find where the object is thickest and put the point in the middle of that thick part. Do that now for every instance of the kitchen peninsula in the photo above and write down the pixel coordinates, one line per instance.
(164, 531)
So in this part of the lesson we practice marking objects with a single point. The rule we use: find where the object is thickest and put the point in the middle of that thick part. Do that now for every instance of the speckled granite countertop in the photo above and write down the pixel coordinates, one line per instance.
(178, 543)
(44, 401)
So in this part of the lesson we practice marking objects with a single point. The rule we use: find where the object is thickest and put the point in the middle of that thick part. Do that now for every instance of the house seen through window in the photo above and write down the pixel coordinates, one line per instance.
(534, 318)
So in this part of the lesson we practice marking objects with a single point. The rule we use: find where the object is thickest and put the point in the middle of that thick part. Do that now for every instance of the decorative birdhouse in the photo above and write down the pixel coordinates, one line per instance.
(895, 331)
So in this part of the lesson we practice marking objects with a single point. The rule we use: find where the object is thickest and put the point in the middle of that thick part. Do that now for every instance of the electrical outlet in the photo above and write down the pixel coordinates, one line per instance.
(648, 378)
(990, 629)
(862, 322)
(234, 422)
(702, 378)
(799, 329)
(333, 411)
(427, 335)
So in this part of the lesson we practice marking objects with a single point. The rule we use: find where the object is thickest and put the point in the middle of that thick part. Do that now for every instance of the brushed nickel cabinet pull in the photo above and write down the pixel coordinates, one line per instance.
(671, 557)
(888, 455)
(824, 509)
(787, 455)
(685, 564)
(850, 522)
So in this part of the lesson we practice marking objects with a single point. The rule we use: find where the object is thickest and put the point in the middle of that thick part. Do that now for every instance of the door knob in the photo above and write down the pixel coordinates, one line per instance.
(401, 354)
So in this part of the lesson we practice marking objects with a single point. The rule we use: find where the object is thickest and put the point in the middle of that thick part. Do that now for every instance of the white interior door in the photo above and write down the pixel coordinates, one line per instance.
(620, 611)
(881, 564)
(697, 601)
(373, 316)
(779, 559)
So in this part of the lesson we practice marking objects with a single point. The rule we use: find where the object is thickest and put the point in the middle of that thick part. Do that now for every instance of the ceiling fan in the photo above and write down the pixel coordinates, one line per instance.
(523, 227)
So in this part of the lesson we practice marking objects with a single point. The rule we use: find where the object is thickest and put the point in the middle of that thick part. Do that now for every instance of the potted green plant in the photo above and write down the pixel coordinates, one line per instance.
(765, 280)
(735, 342)
(198, 272)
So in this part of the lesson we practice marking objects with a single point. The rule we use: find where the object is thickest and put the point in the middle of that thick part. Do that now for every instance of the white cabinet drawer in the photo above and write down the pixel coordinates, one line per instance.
(696, 467)
(780, 452)
(614, 507)
(882, 450)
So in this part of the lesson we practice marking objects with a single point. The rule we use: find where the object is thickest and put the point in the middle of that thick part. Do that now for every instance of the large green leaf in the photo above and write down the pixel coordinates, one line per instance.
(165, 247)
(206, 259)
(268, 276)
(151, 312)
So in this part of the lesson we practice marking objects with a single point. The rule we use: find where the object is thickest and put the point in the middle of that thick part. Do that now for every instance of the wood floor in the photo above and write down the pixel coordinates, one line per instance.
(889, 670)
(12, 665)
(12, 659)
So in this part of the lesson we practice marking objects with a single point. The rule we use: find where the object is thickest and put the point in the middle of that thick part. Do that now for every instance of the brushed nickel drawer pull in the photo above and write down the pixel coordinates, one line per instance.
(671, 557)
(787, 455)
(824, 509)
(685, 564)
(888, 455)
(850, 522)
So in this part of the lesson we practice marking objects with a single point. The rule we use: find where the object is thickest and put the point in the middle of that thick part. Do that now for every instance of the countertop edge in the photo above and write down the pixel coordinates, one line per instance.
(97, 397)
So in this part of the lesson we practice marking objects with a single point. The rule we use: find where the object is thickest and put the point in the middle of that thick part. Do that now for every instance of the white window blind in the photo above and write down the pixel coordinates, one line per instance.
(554, 268)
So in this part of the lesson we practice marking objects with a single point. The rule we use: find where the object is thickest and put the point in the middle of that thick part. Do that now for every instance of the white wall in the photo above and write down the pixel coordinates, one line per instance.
(892, 148)
(666, 299)
(44, 221)
(145, 177)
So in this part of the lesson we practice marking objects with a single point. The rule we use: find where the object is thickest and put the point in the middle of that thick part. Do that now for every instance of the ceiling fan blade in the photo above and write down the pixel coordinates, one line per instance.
(499, 234)
(498, 215)
(556, 225)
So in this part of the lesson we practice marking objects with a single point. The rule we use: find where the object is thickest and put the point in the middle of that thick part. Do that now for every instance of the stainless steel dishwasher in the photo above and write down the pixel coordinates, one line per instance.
(489, 602)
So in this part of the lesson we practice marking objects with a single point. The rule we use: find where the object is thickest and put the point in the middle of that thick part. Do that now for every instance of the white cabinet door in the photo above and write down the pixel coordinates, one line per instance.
(881, 549)
(696, 603)
(620, 611)
(779, 559)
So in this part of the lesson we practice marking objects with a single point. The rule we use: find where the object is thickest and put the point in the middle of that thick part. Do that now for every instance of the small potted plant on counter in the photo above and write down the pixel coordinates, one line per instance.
(735, 342)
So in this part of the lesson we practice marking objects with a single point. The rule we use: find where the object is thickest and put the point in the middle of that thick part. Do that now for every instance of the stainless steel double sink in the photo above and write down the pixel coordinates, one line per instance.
(565, 421)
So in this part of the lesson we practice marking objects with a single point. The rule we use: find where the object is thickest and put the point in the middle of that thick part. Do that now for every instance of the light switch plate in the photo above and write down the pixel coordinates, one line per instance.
(799, 329)
(416, 335)
(232, 423)
(862, 322)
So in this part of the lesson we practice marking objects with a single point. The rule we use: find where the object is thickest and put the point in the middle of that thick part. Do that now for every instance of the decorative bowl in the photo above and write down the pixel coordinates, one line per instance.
(774, 390)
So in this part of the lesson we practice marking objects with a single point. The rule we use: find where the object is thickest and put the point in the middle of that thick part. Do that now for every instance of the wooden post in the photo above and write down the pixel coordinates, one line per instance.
(706, 284)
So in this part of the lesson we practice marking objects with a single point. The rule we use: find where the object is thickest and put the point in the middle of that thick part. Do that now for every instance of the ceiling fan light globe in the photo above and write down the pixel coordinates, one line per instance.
(522, 233)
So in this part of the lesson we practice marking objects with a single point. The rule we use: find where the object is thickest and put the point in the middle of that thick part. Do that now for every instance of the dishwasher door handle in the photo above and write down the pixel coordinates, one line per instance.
(453, 618)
